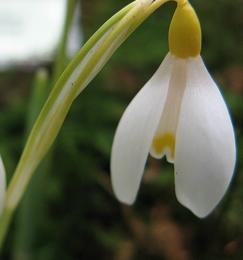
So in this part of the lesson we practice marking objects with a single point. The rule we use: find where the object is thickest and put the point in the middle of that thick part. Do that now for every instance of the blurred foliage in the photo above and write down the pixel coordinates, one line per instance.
(81, 218)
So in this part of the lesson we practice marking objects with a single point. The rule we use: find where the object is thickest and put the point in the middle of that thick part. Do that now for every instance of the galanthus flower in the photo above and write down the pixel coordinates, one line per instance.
(179, 114)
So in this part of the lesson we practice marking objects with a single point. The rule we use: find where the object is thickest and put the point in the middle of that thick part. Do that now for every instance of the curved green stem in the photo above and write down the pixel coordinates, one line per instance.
(82, 69)
(27, 164)
(49, 122)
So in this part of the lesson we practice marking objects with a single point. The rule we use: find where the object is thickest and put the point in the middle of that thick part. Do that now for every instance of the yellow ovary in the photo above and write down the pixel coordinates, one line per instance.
(165, 142)
(185, 32)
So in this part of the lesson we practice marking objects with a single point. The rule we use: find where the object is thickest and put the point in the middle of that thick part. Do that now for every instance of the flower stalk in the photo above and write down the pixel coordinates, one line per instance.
(81, 70)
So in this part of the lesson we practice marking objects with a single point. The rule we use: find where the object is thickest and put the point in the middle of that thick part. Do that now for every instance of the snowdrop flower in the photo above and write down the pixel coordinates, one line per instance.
(179, 114)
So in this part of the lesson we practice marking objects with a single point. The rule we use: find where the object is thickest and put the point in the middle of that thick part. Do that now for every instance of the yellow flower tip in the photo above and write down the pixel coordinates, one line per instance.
(185, 32)
(163, 142)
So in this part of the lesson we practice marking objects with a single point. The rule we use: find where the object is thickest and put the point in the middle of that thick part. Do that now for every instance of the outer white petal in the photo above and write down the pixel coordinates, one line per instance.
(135, 133)
(205, 148)
(2, 185)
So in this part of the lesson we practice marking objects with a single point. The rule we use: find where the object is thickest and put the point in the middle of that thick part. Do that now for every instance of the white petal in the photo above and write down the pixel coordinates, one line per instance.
(205, 145)
(135, 132)
(2, 185)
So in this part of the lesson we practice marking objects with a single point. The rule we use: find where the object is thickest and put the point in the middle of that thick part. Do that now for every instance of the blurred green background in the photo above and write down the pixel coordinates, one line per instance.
(72, 213)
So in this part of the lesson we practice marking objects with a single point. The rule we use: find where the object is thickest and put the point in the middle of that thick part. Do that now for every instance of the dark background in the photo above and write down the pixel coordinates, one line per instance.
(73, 213)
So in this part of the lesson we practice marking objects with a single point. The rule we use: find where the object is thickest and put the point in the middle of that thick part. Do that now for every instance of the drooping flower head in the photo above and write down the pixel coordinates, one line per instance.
(179, 113)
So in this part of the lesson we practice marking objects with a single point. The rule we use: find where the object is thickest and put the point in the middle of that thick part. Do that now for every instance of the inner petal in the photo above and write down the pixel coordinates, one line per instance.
(164, 144)
(165, 136)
